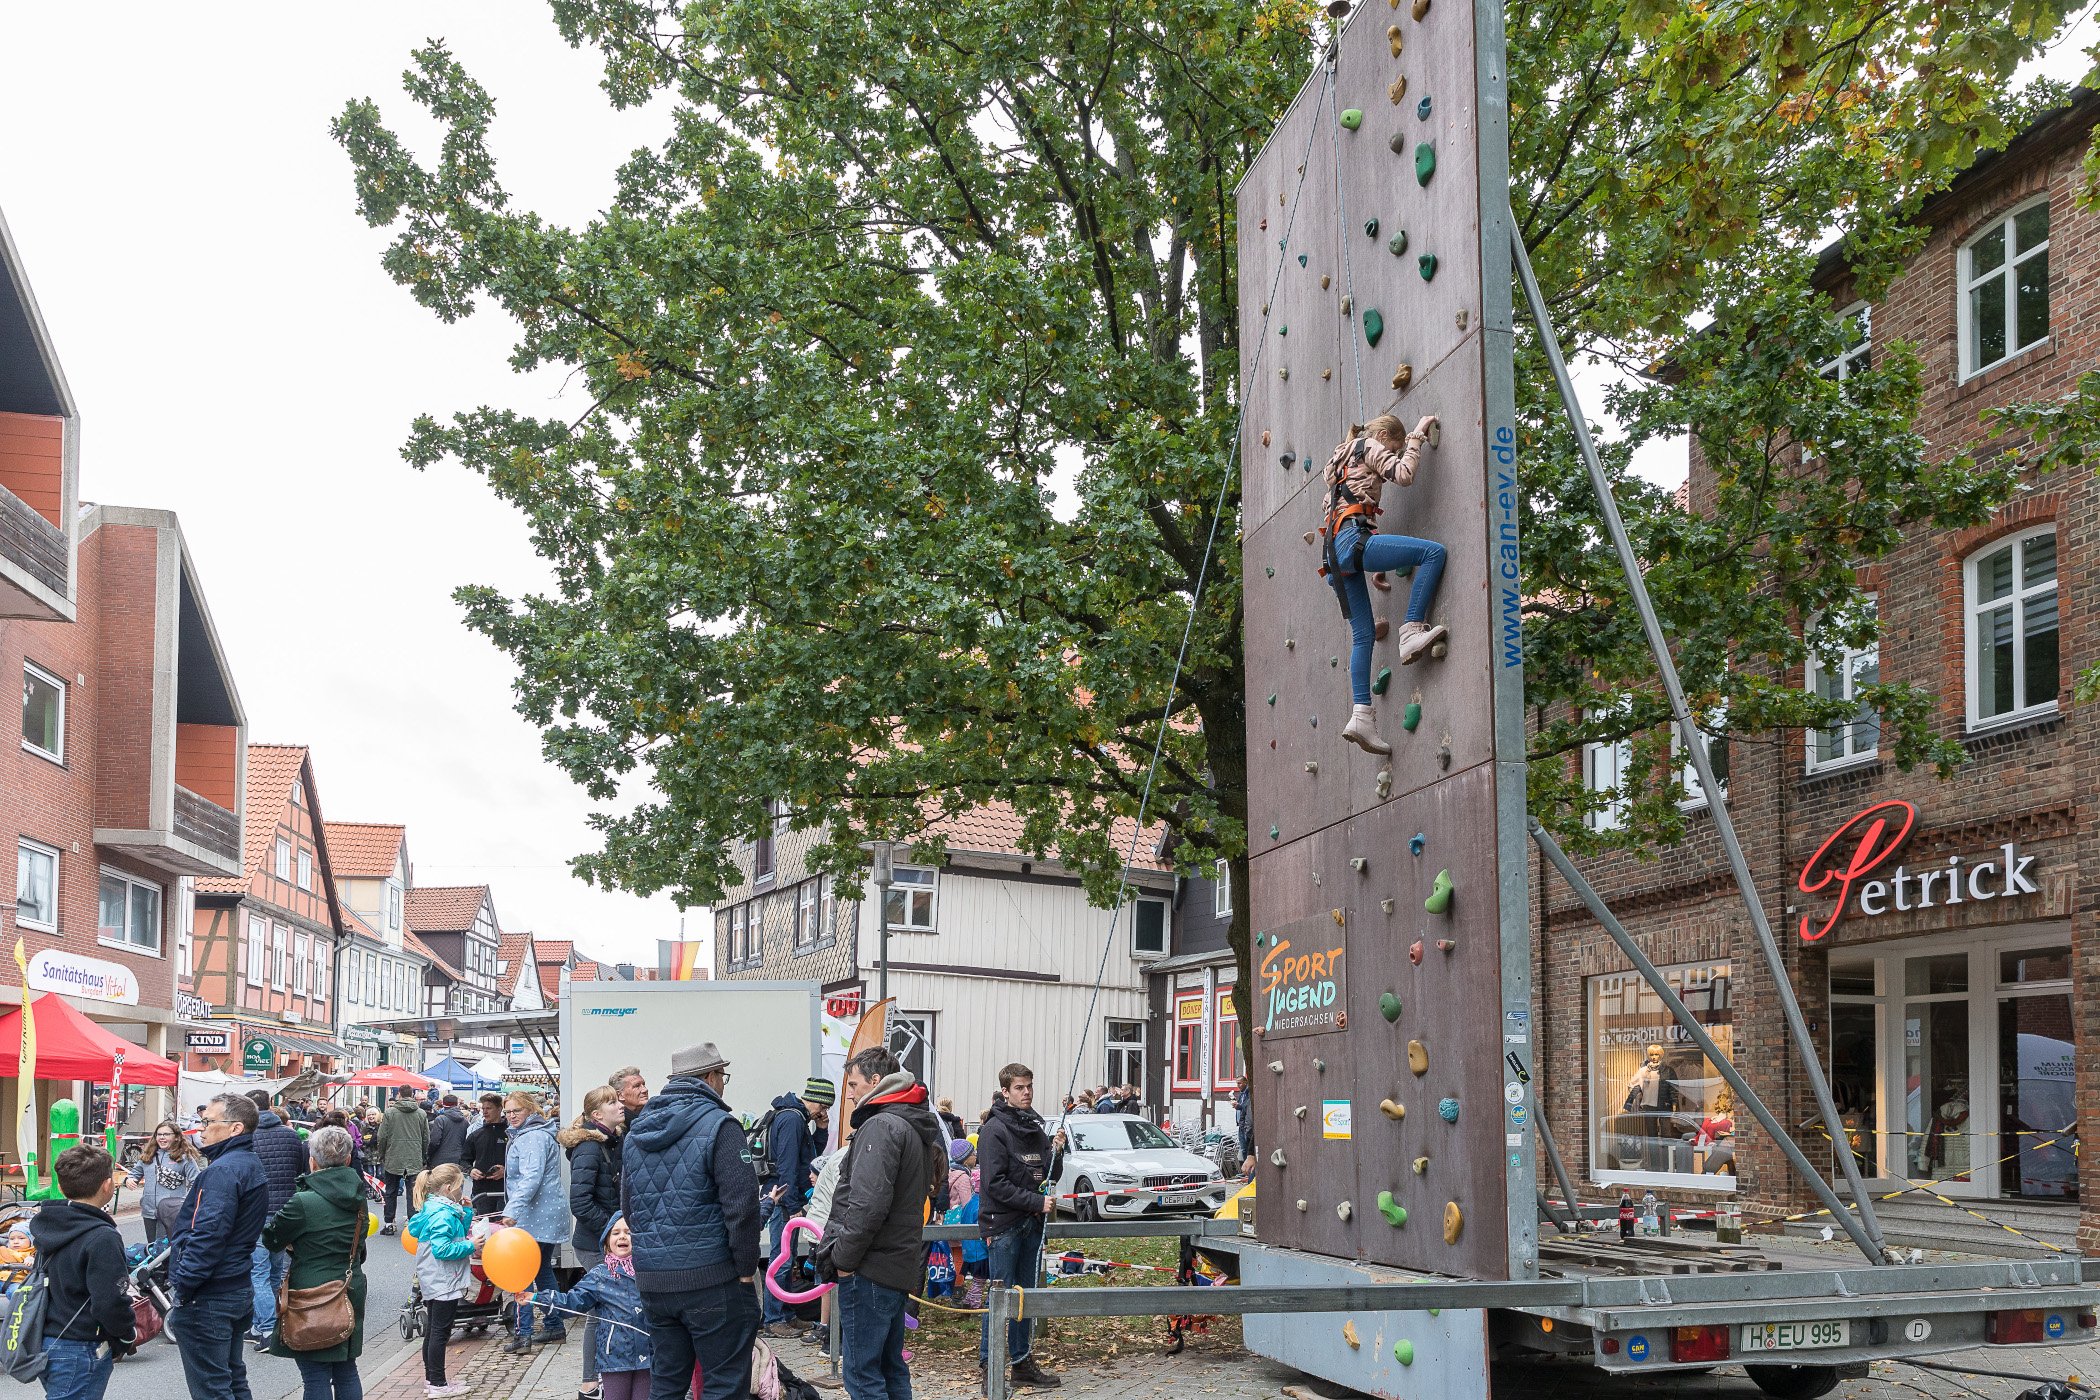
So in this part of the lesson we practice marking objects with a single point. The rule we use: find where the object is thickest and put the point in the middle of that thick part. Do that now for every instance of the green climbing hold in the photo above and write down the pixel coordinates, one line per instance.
(1352, 118)
(1411, 716)
(1425, 163)
(1436, 1312)
(1385, 678)
(1404, 1352)
(1334, 661)
(1274, 833)
(1370, 228)
(1395, 1215)
(1397, 244)
(1427, 263)
(1374, 327)
(1422, 110)
(1301, 259)
(1389, 1006)
(1272, 699)
(1258, 937)
(1440, 893)
(1272, 571)
(1283, 330)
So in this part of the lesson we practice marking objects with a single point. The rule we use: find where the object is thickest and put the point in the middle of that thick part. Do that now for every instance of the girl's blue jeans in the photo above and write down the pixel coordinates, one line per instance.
(1385, 554)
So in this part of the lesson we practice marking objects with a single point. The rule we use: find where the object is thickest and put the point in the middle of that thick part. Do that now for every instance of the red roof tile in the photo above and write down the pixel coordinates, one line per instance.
(445, 908)
(995, 829)
(353, 924)
(510, 961)
(271, 769)
(364, 850)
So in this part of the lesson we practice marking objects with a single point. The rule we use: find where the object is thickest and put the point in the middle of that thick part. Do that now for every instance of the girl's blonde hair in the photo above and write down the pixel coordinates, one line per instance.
(592, 1102)
(1384, 425)
(447, 1181)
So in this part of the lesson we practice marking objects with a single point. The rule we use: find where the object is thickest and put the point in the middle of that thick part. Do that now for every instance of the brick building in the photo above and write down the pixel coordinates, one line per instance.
(1949, 980)
(263, 944)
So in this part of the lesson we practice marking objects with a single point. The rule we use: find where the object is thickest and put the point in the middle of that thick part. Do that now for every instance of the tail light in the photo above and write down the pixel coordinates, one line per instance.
(2012, 1328)
(1609, 1346)
(1698, 1344)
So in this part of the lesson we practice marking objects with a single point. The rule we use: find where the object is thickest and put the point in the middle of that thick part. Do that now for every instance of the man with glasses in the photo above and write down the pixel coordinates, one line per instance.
(691, 1201)
(216, 1232)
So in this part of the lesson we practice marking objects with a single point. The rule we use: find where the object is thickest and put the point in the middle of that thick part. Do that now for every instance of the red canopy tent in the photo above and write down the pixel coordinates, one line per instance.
(70, 1046)
(386, 1077)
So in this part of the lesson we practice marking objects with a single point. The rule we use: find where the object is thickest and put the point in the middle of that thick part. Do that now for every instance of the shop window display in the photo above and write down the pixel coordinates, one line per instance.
(1658, 1108)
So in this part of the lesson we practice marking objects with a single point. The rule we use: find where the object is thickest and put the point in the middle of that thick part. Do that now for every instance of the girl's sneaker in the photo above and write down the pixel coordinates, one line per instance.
(445, 1392)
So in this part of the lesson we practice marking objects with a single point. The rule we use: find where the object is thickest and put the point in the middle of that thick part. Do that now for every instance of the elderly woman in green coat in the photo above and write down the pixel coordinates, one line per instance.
(323, 1227)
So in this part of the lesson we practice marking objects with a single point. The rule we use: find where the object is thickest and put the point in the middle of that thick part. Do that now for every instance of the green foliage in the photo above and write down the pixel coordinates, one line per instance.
(897, 264)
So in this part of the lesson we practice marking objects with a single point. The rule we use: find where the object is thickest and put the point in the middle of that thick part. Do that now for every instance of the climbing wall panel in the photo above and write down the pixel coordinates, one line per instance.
(1388, 892)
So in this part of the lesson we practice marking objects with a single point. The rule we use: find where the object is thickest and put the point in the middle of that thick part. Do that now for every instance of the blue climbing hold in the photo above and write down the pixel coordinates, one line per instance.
(1416, 842)
(1301, 259)
(1422, 109)
(1447, 1109)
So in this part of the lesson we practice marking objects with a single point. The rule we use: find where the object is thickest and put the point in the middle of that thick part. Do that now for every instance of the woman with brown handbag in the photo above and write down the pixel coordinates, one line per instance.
(321, 1303)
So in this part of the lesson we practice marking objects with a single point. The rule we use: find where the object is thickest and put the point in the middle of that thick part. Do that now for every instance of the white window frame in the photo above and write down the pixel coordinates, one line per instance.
(281, 861)
(280, 955)
(809, 904)
(1221, 890)
(258, 961)
(1111, 1046)
(2018, 600)
(1857, 357)
(1166, 931)
(298, 794)
(1595, 757)
(24, 849)
(371, 975)
(1694, 799)
(305, 878)
(931, 885)
(30, 668)
(1848, 661)
(393, 905)
(1966, 284)
(160, 909)
(318, 984)
(302, 951)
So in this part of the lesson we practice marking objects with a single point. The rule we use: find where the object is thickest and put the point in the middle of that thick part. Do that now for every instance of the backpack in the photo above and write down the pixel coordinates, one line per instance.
(758, 1144)
(22, 1322)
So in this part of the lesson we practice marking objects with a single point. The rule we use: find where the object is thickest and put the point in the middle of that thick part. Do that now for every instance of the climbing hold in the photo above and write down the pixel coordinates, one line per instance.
(1272, 700)
(1276, 1067)
(1414, 952)
(1352, 118)
(1290, 643)
(1325, 280)
(1259, 938)
(1404, 375)
(1313, 720)
(1334, 661)
(1421, 1165)
(1411, 716)
(1326, 374)
(1274, 831)
(1421, 8)
(1289, 459)
(1382, 681)
(1443, 755)
(1349, 1328)
(1439, 650)
(1404, 1352)
(1344, 1210)
(1271, 570)
(1416, 842)
(1446, 945)
(1447, 1109)
(1319, 1064)
(1418, 1058)
(1301, 1203)
(1395, 1215)
(1385, 782)
(1392, 37)
(1397, 89)
(1422, 109)
(1357, 863)
(1462, 318)
(1439, 893)
(1264, 223)
(1397, 244)
(1374, 326)
(1302, 256)
(1394, 1111)
(1336, 915)
(1371, 228)
(1425, 166)
(1299, 1111)
(1276, 1158)
(1348, 304)
(1283, 372)
(1389, 1006)
(1434, 1312)
(1454, 1222)
(1385, 904)
(1264, 437)
(1312, 766)
(1426, 265)
(1397, 143)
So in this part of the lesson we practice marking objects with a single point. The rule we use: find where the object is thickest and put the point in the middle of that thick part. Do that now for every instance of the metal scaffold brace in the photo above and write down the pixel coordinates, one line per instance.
(1861, 1224)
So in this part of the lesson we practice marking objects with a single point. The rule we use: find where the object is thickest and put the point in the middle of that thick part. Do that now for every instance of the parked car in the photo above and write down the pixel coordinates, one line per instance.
(1118, 1166)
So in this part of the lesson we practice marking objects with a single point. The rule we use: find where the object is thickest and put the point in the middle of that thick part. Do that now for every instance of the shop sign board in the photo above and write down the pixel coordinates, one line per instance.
(210, 1040)
(1875, 835)
(53, 970)
(258, 1054)
(1301, 975)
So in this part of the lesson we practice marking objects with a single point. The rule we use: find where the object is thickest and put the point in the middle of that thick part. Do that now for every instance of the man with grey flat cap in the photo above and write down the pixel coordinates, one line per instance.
(691, 1201)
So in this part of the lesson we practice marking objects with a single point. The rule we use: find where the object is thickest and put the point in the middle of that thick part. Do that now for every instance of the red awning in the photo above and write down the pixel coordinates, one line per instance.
(389, 1077)
(70, 1046)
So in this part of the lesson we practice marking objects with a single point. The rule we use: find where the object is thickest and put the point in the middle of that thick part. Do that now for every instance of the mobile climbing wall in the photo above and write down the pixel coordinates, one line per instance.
(1392, 1048)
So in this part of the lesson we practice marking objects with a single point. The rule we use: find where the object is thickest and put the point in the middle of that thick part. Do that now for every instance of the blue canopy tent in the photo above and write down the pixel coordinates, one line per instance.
(452, 1072)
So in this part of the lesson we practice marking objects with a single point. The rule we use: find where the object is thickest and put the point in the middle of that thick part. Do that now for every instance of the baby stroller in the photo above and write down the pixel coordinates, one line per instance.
(483, 1306)
(148, 1265)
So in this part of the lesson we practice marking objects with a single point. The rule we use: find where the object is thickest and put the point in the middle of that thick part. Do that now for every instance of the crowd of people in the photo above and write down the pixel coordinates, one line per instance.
(669, 1203)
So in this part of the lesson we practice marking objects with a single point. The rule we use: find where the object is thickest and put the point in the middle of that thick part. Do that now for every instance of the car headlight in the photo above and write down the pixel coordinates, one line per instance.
(1117, 1179)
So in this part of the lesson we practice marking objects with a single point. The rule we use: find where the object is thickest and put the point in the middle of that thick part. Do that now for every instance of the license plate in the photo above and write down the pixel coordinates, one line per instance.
(1795, 1336)
(1177, 1200)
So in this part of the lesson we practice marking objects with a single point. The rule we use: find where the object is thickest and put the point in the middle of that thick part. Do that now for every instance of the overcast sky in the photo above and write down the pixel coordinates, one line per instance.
(239, 358)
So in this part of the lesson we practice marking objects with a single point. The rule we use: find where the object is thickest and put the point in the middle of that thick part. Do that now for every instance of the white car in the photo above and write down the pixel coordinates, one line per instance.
(1117, 1166)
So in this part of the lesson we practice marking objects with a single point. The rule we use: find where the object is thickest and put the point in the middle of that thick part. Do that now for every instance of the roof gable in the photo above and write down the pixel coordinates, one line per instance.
(367, 850)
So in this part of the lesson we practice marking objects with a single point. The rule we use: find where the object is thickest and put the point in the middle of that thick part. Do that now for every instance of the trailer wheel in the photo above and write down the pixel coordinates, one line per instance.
(1794, 1382)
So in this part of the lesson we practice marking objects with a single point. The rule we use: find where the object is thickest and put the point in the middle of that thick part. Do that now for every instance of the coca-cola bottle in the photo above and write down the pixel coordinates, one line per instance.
(1626, 1215)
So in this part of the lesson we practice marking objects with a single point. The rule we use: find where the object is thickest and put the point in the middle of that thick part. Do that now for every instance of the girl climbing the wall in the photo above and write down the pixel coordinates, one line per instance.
(1356, 476)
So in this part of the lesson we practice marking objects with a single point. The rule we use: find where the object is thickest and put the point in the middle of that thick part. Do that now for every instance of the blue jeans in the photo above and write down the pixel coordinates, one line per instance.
(712, 1328)
(1385, 554)
(76, 1372)
(775, 1220)
(552, 1322)
(871, 1340)
(1016, 1258)
(211, 1335)
(330, 1380)
(265, 1271)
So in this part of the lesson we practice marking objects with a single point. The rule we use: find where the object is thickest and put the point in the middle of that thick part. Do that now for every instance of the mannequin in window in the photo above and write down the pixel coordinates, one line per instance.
(1947, 1141)
(1717, 1133)
(1652, 1094)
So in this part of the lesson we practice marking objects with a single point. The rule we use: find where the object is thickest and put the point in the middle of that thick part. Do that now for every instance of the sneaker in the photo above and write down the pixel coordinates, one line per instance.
(556, 1335)
(261, 1339)
(388, 1229)
(444, 1392)
(1029, 1374)
(817, 1336)
(1416, 638)
(1362, 731)
(780, 1331)
(518, 1345)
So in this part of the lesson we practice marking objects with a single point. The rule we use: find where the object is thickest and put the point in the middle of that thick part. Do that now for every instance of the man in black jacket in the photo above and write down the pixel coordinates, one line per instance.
(283, 1157)
(485, 1151)
(215, 1235)
(83, 1259)
(448, 1134)
(897, 1160)
(1015, 1157)
(783, 1188)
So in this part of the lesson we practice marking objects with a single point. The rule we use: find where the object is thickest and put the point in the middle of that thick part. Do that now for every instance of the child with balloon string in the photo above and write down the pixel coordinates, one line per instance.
(442, 1229)
(623, 1328)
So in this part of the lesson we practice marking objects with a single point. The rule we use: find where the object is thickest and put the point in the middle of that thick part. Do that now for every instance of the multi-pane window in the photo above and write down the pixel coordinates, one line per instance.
(1716, 759)
(393, 904)
(130, 912)
(1148, 928)
(282, 863)
(1604, 768)
(807, 907)
(2005, 289)
(911, 903)
(320, 977)
(371, 979)
(1221, 890)
(739, 922)
(43, 713)
(1126, 1053)
(280, 955)
(1857, 354)
(762, 854)
(298, 793)
(301, 953)
(1225, 1043)
(36, 886)
(1849, 669)
(1188, 1041)
(2013, 628)
(306, 870)
(256, 946)
(185, 916)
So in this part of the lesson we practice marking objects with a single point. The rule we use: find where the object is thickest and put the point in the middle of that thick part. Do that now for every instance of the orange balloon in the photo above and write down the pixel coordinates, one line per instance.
(511, 1259)
(408, 1242)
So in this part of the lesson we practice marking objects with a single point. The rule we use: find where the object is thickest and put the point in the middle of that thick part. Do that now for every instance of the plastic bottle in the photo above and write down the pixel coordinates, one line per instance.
(1651, 1219)
(1625, 1215)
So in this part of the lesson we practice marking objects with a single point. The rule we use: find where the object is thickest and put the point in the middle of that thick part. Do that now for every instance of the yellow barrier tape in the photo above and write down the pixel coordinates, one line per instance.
(1925, 1188)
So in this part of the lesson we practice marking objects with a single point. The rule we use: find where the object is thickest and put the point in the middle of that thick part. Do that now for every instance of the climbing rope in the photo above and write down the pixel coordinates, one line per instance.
(1188, 629)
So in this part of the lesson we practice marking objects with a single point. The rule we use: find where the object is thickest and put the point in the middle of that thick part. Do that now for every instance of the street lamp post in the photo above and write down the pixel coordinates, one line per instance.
(883, 870)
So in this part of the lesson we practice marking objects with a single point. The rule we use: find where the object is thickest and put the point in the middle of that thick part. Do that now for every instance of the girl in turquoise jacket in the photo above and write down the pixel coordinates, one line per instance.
(444, 1273)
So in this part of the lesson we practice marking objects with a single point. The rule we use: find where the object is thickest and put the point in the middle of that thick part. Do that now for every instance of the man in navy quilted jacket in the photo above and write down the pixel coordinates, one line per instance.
(215, 1235)
(283, 1156)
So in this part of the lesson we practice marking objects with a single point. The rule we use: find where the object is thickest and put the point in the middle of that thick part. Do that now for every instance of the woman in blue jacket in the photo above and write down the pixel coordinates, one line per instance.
(610, 1291)
(536, 1201)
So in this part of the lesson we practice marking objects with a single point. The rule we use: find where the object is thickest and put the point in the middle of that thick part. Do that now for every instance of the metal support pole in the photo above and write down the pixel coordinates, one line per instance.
(1560, 1170)
(1002, 1301)
(1747, 1095)
(1695, 747)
